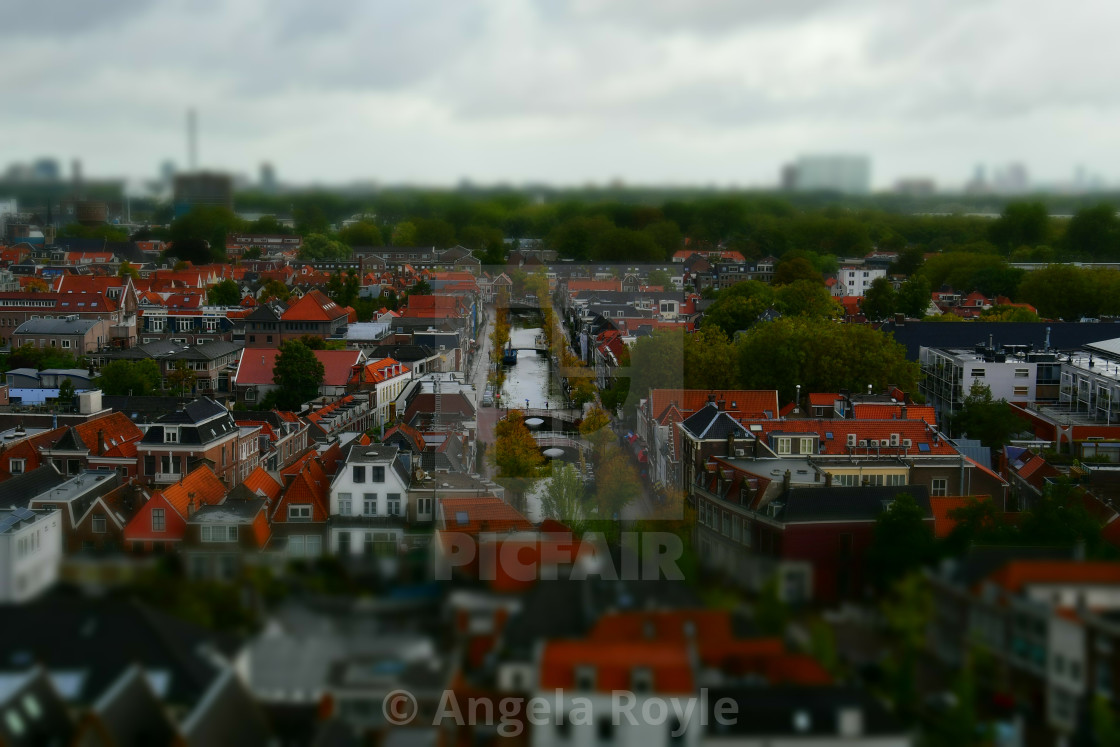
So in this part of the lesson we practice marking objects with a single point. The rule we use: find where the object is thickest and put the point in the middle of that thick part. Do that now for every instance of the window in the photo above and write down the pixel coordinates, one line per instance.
(159, 520)
(806, 446)
(896, 479)
(344, 543)
(379, 474)
(170, 436)
(978, 373)
(783, 445)
(99, 525)
(219, 533)
(17, 466)
(1022, 373)
(939, 486)
(344, 504)
(369, 504)
(359, 474)
(1021, 391)
(66, 344)
(394, 500)
(298, 512)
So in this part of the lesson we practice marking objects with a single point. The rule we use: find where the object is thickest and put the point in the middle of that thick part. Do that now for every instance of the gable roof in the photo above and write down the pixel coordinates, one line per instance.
(202, 485)
(260, 482)
(314, 306)
(483, 514)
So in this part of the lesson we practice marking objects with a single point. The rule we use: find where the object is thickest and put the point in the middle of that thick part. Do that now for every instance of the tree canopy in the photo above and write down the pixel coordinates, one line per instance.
(131, 378)
(298, 375)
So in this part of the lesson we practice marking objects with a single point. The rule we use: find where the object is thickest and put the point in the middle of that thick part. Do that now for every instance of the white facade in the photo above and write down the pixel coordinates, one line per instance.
(369, 501)
(596, 718)
(30, 552)
(856, 281)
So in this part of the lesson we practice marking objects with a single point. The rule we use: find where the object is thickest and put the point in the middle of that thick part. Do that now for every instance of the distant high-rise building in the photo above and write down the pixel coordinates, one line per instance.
(268, 178)
(46, 169)
(845, 174)
(202, 188)
(915, 187)
(1012, 179)
(167, 172)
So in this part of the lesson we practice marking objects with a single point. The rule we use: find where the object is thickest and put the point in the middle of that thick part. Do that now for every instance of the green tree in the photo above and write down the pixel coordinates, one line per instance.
(66, 395)
(516, 453)
(1106, 729)
(660, 279)
(225, 293)
(126, 270)
(710, 360)
(1059, 291)
(404, 234)
(273, 288)
(738, 307)
(656, 362)
(180, 379)
(1021, 223)
(913, 298)
(616, 482)
(318, 246)
(362, 233)
(1094, 233)
(902, 542)
(880, 301)
(107, 232)
(564, 498)
(907, 610)
(667, 235)
(798, 268)
(771, 613)
(822, 356)
(1008, 314)
(625, 245)
(807, 298)
(298, 374)
(200, 235)
(434, 232)
(131, 378)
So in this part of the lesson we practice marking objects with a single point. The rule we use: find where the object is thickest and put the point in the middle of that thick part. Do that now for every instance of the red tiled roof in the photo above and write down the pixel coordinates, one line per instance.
(613, 663)
(482, 514)
(256, 364)
(259, 481)
(315, 306)
(883, 411)
(865, 430)
(742, 402)
(943, 507)
(1020, 573)
(823, 399)
(201, 484)
(576, 285)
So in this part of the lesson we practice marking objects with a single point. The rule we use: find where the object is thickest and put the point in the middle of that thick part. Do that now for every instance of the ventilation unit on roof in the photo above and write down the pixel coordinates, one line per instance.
(874, 443)
(894, 439)
(851, 439)
(863, 442)
(907, 443)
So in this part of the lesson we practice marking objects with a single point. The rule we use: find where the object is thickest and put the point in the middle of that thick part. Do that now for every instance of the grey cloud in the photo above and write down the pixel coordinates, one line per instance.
(65, 17)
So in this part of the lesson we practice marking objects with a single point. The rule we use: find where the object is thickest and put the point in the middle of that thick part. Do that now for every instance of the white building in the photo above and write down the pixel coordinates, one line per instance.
(387, 378)
(30, 552)
(855, 280)
(1012, 373)
(369, 502)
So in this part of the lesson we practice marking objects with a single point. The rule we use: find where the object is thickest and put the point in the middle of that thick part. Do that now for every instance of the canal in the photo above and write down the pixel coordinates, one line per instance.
(531, 377)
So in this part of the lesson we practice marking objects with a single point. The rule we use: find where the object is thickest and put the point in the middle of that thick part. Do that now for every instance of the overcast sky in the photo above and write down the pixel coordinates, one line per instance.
(564, 91)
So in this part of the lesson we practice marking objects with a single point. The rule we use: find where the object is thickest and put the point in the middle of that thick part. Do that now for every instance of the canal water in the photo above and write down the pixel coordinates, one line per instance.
(530, 378)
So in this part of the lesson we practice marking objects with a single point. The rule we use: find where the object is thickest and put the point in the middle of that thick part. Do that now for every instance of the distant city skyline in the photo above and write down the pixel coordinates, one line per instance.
(712, 92)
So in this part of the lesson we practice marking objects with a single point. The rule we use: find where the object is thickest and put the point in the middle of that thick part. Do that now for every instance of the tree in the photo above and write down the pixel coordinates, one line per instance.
(660, 279)
(1008, 314)
(822, 356)
(1106, 730)
(404, 234)
(66, 395)
(807, 298)
(625, 245)
(991, 421)
(200, 235)
(616, 482)
(420, 288)
(880, 300)
(37, 285)
(516, 453)
(126, 270)
(738, 307)
(913, 298)
(907, 610)
(180, 379)
(434, 232)
(656, 362)
(319, 246)
(273, 288)
(564, 498)
(107, 232)
(225, 293)
(667, 235)
(1094, 233)
(710, 361)
(298, 374)
(771, 613)
(131, 378)
(362, 233)
(798, 268)
(902, 542)
(1021, 223)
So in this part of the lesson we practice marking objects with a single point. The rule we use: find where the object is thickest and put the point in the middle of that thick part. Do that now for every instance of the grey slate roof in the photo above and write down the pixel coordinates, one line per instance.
(20, 489)
(861, 503)
(709, 422)
(56, 326)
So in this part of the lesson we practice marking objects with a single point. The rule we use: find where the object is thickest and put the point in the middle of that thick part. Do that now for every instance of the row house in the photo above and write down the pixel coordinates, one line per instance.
(368, 502)
(253, 379)
(95, 507)
(31, 547)
(69, 333)
(220, 537)
(182, 318)
(1046, 620)
(299, 517)
(104, 443)
(314, 314)
(444, 307)
(203, 431)
(384, 380)
(22, 306)
(283, 436)
(161, 523)
(422, 257)
(329, 420)
(787, 522)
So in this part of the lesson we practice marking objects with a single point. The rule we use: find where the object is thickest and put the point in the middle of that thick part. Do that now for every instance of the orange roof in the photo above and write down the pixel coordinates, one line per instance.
(916, 431)
(746, 402)
(883, 411)
(315, 306)
(259, 481)
(576, 285)
(311, 485)
(201, 484)
(614, 661)
(482, 514)
(1021, 573)
(943, 506)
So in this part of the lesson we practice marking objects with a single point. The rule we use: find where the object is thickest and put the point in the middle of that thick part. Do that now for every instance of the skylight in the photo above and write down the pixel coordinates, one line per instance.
(923, 447)
(461, 518)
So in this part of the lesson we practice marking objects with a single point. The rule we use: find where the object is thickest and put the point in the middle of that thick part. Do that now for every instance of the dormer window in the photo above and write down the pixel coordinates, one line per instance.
(170, 436)
(585, 678)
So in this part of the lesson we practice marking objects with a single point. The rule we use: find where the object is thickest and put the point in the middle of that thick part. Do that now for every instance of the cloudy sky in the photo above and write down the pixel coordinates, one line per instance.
(565, 91)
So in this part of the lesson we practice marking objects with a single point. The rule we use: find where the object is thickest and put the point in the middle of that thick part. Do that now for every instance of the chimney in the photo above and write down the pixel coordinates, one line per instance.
(731, 444)
(722, 405)
(712, 397)
(100, 441)
(190, 505)
(786, 479)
